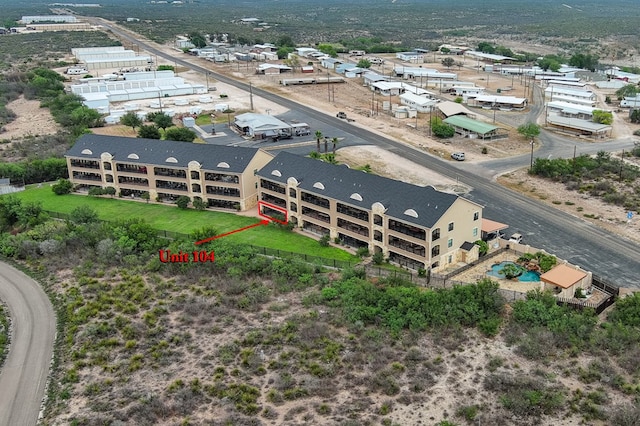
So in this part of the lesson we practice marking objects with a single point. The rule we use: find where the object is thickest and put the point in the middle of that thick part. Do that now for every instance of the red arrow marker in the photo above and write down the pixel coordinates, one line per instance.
(215, 237)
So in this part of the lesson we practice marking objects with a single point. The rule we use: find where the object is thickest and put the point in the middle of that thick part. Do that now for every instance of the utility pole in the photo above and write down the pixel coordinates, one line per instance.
(251, 95)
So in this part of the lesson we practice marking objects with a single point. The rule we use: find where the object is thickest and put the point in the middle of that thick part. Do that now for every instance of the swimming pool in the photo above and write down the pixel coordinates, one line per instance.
(526, 276)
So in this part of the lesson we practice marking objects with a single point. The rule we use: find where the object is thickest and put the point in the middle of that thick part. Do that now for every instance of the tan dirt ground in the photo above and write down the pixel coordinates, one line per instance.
(32, 120)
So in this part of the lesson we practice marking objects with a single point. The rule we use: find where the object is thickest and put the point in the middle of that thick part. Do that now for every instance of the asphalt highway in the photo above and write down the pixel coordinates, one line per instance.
(569, 237)
(24, 374)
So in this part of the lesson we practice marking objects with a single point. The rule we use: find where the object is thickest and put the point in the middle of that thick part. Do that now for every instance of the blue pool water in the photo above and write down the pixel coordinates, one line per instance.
(528, 276)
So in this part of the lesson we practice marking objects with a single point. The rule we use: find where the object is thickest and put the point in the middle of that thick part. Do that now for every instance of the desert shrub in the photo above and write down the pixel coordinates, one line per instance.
(525, 396)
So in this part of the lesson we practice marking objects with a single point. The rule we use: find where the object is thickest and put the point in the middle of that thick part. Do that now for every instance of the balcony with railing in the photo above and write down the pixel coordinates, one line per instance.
(315, 200)
(377, 219)
(271, 186)
(223, 190)
(195, 187)
(223, 204)
(377, 235)
(172, 186)
(268, 198)
(407, 246)
(353, 227)
(94, 177)
(351, 241)
(314, 214)
(85, 164)
(221, 177)
(106, 165)
(315, 229)
(172, 173)
(353, 212)
(131, 168)
(405, 261)
(405, 229)
(133, 181)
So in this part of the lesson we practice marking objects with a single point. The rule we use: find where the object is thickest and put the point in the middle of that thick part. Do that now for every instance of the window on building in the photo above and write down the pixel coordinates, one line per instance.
(435, 251)
(450, 242)
(476, 215)
(292, 193)
(451, 226)
(475, 232)
(435, 234)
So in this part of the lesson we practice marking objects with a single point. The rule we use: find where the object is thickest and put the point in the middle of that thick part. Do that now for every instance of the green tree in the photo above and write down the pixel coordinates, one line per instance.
(628, 90)
(586, 61)
(63, 186)
(441, 129)
(283, 52)
(445, 50)
(285, 41)
(483, 247)
(131, 119)
(83, 214)
(335, 142)
(635, 115)
(448, 62)
(181, 134)
(183, 201)
(602, 117)
(529, 130)
(197, 39)
(162, 120)
(149, 132)
(199, 204)
(110, 190)
(549, 63)
(486, 47)
(328, 49)
(318, 137)
(364, 63)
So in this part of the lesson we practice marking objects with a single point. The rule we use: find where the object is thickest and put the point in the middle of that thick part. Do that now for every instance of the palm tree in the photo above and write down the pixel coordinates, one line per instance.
(326, 145)
(318, 137)
(335, 142)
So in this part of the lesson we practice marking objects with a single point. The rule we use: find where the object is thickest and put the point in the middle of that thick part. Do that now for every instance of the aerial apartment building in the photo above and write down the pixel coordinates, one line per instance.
(222, 176)
(417, 227)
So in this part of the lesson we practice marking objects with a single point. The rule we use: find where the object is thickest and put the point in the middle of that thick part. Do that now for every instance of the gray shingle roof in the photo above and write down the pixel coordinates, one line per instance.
(343, 183)
(153, 151)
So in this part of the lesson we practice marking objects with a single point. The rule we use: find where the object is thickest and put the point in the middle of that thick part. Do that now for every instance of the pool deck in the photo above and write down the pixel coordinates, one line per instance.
(479, 271)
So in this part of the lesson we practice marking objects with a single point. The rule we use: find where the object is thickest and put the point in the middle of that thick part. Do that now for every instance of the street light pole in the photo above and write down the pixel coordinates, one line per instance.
(531, 162)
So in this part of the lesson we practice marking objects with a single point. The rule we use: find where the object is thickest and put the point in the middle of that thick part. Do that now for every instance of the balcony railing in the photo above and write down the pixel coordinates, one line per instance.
(316, 214)
(274, 200)
(406, 246)
(272, 186)
(85, 164)
(174, 186)
(223, 190)
(407, 229)
(313, 199)
(131, 168)
(174, 173)
(350, 226)
(87, 176)
(124, 180)
(219, 177)
(353, 212)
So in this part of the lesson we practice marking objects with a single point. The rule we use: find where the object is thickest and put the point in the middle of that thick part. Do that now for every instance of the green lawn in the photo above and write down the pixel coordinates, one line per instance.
(170, 218)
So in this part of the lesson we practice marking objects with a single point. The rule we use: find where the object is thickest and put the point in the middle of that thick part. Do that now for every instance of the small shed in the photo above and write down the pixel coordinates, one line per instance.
(564, 280)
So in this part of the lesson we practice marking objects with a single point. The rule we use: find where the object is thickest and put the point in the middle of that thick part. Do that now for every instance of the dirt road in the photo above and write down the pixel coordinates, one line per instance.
(24, 375)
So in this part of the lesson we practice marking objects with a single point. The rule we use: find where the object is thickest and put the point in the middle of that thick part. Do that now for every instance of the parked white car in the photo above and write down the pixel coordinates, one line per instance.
(516, 238)
(458, 156)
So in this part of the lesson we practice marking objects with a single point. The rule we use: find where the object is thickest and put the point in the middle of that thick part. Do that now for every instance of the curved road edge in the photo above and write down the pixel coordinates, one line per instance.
(25, 372)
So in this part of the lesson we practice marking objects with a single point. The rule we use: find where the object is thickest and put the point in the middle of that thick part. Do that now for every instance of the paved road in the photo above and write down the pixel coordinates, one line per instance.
(24, 374)
(567, 236)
